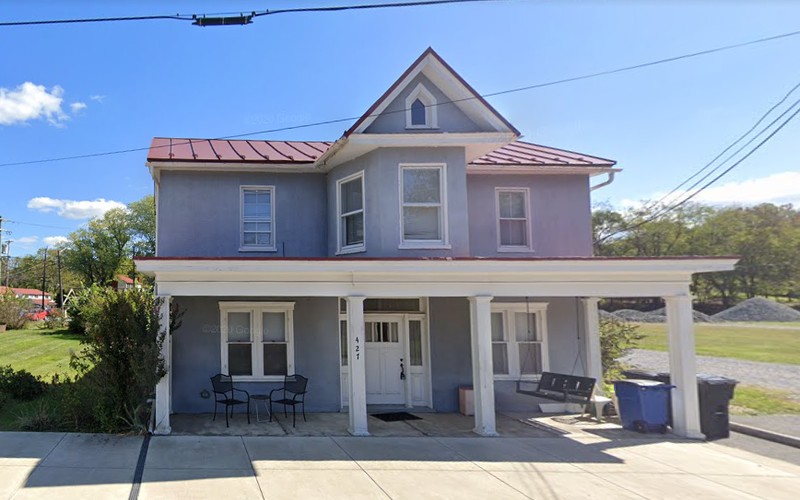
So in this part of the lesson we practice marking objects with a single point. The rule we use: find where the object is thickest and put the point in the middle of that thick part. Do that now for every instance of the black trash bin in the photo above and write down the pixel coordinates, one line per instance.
(715, 394)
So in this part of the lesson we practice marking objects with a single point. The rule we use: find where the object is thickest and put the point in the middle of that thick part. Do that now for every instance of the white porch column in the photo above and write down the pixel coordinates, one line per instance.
(683, 368)
(163, 388)
(480, 309)
(591, 334)
(357, 366)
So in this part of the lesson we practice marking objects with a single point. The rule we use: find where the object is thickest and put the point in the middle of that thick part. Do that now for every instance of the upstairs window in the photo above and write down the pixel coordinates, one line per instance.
(423, 207)
(513, 221)
(258, 216)
(351, 213)
(421, 108)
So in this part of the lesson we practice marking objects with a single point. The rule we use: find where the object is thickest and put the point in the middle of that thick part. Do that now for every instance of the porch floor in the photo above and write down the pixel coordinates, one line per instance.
(430, 424)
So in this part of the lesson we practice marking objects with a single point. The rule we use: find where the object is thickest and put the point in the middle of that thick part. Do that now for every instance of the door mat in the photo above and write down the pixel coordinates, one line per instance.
(396, 416)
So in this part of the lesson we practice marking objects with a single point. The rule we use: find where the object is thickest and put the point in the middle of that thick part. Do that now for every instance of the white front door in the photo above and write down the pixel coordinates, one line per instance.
(385, 363)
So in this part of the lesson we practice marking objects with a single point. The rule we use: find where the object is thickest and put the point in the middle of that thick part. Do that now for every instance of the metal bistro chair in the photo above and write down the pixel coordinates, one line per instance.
(225, 394)
(294, 393)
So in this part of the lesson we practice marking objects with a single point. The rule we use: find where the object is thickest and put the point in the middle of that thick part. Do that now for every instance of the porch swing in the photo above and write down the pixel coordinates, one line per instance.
(567, 388)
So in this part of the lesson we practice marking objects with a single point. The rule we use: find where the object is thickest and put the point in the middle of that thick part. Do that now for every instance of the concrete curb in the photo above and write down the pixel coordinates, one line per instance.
(764, 434)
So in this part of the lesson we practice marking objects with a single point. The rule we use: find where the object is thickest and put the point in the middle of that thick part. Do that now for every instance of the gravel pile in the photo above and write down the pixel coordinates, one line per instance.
(758, 309)
(657, 316)
(632, 315)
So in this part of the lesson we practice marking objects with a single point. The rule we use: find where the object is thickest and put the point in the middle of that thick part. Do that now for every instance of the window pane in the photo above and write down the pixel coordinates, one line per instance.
(274, 325)
(343, 341)
(353, 229)
(275, 359)
(351, 196)
(421, 185)
(500, 358)
(530, 358)
(250, 197)
(512, 204)
(409, 305)
(250, 238)
(497, 327)
(264, 239)
(415, 342)
(239, 327)
(417, 113)
(513, 233)
(525, 327)
(421, 223)
(263, 227)
(394, 337)
(240, 360)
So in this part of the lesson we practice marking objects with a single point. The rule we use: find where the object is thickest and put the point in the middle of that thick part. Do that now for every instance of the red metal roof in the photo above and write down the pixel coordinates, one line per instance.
(517, 153)
(24, 291)
(239, 151)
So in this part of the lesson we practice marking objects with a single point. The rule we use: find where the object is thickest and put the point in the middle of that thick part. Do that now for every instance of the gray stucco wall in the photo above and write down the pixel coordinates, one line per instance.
(199, 214)
(196, 353)
(382, 200)
(449, 117)
(560, 210)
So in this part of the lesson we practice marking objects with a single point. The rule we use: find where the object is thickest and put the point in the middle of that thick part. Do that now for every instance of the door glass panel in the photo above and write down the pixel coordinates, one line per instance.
(240, 359)
(239, 327)
(500, 358)
(525, 327)
(394, 336)
(415, 342)
(530, 358)
(497, 327)
(343, 341)
(275, 359)
(274, 324)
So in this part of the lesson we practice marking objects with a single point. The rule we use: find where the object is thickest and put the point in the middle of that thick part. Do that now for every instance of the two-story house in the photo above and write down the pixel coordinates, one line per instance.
(425, 249)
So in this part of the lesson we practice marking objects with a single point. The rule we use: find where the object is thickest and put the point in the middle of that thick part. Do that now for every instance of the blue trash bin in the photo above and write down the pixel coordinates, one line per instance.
(643, 404)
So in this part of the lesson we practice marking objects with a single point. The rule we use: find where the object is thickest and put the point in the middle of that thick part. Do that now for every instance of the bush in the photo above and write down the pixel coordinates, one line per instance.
(122, 363)
(13, 309)
(55, 319)
(617, 338)
(40, 418)
(21, 385)
(82, 304)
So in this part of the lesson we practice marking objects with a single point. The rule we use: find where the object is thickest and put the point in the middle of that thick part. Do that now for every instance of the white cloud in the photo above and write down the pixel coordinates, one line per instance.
(77, 106)
(98, 98)
(780, 188)
(54, 240)
(31, 102)
(72, 209)
(26, 240)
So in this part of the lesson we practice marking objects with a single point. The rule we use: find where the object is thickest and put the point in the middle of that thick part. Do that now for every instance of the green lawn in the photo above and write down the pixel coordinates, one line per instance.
(750, 342)
(759, 401)
(41, 352)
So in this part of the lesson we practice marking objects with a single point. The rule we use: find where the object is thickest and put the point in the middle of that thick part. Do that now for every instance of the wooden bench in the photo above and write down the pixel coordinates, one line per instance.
(564, 388)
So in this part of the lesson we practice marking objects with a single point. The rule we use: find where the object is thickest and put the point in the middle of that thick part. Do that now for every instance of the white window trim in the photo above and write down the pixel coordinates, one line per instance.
(528, 219)
(442, 244)
(539, 309)
(431, 115)
(361, 247)
(257, 248)
(256, 309)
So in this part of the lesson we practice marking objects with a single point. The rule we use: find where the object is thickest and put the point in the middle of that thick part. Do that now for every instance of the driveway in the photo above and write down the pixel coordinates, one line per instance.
(574, 466)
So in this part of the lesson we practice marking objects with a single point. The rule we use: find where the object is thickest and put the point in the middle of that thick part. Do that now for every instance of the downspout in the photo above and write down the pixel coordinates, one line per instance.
(606, 182)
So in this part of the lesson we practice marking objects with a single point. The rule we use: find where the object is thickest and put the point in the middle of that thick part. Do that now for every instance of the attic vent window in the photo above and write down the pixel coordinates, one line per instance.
(421, 108)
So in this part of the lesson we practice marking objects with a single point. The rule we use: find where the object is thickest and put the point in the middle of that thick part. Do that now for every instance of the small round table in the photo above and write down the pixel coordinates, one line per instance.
(263, 398)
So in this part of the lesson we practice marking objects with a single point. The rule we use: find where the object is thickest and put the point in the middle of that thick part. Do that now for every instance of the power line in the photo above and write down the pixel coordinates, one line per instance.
(38, 225)
(239, 17)
(491, 94)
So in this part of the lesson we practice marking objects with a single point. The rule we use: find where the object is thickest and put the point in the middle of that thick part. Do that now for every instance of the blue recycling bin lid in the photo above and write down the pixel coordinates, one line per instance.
(645, 384)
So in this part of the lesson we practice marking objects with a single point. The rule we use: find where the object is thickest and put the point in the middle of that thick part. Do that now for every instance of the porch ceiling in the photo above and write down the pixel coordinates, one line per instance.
(431, 277)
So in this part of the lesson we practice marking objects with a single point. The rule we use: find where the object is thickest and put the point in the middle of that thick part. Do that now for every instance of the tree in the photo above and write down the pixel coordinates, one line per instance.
(98, 251)
(142, 224)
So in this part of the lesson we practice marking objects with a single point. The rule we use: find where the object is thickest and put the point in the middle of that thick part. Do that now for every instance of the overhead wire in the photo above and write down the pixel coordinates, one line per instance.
(454, 101)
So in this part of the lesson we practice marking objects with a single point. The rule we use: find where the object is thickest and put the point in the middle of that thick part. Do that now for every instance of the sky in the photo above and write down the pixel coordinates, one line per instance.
(91, 88)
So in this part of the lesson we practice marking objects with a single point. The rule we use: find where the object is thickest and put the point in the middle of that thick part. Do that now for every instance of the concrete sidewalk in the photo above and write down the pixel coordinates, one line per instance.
(578, 465)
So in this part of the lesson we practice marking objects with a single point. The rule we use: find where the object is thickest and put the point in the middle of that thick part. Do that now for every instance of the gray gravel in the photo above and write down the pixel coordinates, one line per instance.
(758, 309)
(768, 375)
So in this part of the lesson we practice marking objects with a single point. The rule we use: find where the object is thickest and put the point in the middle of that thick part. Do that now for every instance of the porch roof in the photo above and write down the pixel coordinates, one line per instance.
(414, 277)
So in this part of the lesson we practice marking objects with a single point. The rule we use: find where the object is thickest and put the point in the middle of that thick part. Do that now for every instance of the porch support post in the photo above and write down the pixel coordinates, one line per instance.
(482, 371)
(591, 334)
(357, 365)
(683, 368)
(163, 388)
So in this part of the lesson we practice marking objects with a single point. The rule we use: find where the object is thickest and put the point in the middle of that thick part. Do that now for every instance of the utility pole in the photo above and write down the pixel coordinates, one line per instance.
(44, 276)
(8, 261)
(60, 285)
(1, 248)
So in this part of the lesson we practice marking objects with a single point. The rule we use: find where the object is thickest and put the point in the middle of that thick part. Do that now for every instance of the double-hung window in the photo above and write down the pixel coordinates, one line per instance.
(258, 218)
(257, 341)
(519, 340)
(513, 220)
(423, 200)
(350, 202)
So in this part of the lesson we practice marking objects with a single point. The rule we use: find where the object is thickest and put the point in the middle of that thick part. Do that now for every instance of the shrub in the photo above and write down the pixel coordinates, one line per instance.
(83, 304)
(21, 385)
(617, 338)
(122, 362)
(40, 418)
(55, 319)
(13, 309)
